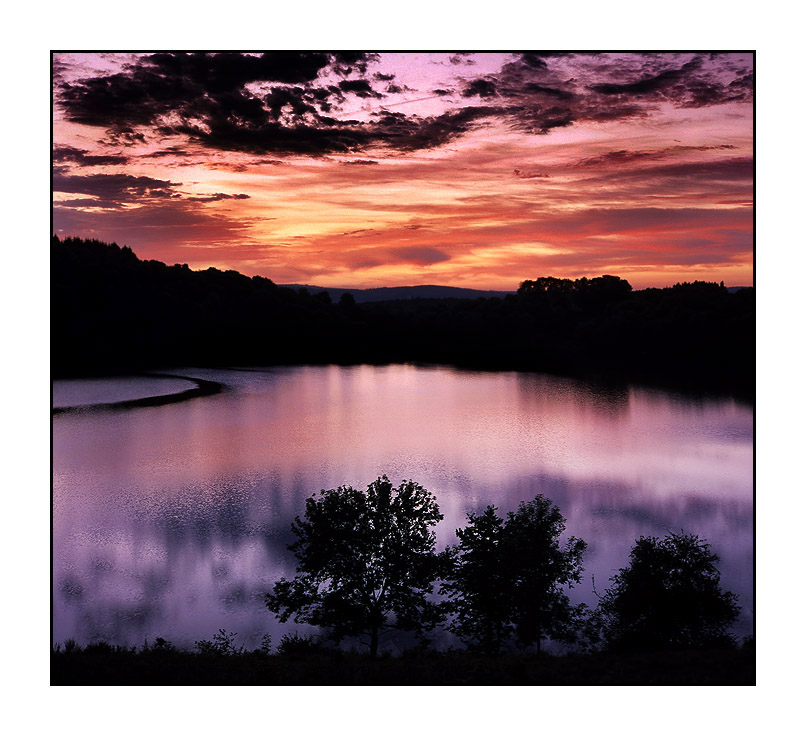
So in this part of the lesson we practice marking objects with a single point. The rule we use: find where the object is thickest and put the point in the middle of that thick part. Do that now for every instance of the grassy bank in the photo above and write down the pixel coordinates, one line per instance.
(102, 665)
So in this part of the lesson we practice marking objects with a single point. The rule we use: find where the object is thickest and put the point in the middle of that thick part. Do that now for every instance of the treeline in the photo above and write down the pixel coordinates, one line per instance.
(113, 312)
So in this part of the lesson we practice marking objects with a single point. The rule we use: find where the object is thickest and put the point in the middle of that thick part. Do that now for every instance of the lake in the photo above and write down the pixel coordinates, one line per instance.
(173, 520)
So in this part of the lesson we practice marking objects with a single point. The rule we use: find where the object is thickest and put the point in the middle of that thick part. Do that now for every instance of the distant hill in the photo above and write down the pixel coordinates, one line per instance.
(397, 293)
(394, 293)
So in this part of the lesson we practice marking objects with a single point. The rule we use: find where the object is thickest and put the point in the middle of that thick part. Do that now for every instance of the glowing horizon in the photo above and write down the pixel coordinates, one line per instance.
(364, 170)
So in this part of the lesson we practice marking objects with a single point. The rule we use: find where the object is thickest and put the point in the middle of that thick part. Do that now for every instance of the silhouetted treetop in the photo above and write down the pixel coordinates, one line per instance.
(366, 562)
(668, 597)
(508, 578)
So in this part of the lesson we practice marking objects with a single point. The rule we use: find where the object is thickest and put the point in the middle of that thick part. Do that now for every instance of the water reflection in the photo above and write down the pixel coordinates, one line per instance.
(173, 521)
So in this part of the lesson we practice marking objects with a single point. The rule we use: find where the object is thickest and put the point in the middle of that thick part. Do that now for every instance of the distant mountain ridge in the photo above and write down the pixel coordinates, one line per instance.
(393, 293)
(431, 291)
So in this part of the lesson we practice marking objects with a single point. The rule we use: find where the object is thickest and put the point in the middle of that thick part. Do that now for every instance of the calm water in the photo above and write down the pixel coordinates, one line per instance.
(88, 392)
(173, 520)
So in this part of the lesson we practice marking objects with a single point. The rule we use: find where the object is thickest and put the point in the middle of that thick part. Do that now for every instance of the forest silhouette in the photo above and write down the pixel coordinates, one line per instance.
(113, 313)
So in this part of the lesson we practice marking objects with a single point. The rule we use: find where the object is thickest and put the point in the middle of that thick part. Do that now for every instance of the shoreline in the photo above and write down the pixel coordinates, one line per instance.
(708, 389)
(202, 388)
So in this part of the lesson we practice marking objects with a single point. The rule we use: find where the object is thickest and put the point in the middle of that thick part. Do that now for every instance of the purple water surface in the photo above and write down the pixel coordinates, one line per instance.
(173, 520)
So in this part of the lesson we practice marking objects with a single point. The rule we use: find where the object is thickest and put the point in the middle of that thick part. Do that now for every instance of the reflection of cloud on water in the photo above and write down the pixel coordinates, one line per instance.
(244, 596)
(204, 557)
(190, 506)
(72, 590)
(118, 622)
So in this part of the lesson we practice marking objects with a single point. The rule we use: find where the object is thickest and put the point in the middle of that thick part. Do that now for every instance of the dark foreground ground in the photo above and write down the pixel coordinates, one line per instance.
(116, 667)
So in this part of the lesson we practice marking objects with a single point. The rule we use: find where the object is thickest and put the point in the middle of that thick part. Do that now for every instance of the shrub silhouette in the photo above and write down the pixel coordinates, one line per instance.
(668, 597)
(297, 645)
(508, 578)
(223, 644)
(366, 562)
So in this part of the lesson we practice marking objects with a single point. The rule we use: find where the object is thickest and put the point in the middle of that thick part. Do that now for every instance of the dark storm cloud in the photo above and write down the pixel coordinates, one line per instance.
(359, 87)
(415, 133)
(626, 157)
(346, 63)
(313, 139)
(58, 69)
(166, 152)
(229, 71)
(205, 97)
(68, 154)
(560, 94)
(613, 158)
(543, 92)
(117, 188)
(650, 84)
(112, 191)
(217, 197)
(732, 169)
(540, 119)
(535, 61)
(191, 84)
(84, 202)
(530, 174)
(287, 102)
(483, 88)
(394, 130)
(296, 100)
(419, 255)
(125, 136)
(690, 85)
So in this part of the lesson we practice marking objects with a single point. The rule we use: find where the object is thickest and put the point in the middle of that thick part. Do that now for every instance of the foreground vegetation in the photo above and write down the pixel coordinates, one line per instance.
(367, 565)
(112, 312)
(104, 665)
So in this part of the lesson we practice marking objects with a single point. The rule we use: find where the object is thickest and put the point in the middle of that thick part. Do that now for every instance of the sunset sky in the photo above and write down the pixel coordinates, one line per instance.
(359, 170)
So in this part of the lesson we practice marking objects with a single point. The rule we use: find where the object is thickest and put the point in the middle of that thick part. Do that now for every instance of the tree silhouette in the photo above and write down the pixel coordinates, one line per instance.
(366, 562)
(477, 587)
(541, 569)
(508, 578)
(669, 597)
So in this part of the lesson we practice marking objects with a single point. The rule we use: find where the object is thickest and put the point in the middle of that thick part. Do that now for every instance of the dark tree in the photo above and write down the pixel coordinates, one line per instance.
(541, 569)
(477, 587)
(509, 578)
(366, 562)
(669, 597)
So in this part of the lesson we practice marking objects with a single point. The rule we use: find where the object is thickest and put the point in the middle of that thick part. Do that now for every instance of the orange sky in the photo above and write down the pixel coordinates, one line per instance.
(361, 170)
